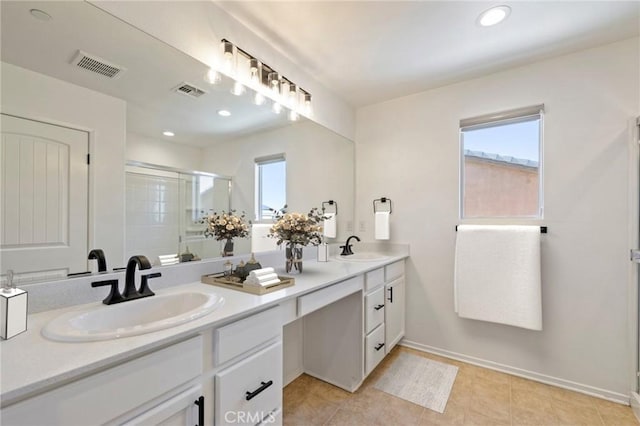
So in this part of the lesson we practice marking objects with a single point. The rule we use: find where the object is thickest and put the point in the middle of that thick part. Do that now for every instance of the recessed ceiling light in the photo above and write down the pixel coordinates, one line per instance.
(224, 113)
(494, 16)
(168, 133)
(40, 14)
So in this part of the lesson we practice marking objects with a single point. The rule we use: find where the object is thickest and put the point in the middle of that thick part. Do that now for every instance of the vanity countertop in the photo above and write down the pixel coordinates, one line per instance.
(32, 364)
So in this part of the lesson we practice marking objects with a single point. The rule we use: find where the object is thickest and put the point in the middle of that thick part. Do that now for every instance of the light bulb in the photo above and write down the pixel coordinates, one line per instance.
(277, 108)
(212, 77)
(228, 57)
(307, 103)
(293, 94)
(238, 89)
(274, 81)
(254, 71)
(494, 16)
(258, 98)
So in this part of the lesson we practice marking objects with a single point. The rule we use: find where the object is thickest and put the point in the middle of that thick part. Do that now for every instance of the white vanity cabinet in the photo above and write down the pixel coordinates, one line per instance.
(248, 370)
(394, 312)
(150, 383)
(384, 303)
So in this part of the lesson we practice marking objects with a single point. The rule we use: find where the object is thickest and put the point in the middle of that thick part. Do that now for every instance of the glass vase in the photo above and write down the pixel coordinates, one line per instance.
(293, 253)
(228, 248)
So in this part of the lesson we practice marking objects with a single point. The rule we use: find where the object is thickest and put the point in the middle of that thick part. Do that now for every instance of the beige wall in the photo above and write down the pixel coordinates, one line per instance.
(499, 189)
(407, 149)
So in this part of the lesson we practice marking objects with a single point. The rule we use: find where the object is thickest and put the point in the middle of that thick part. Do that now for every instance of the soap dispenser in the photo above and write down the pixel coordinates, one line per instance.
(13, 309)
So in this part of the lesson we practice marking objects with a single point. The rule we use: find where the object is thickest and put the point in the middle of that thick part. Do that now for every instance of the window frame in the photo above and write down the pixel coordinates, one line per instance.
(261, 161)
(514, 116)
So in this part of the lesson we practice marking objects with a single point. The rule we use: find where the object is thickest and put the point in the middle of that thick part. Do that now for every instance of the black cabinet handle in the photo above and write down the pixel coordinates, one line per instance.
(377, 308)
(379, 346)
(390, 299)
(263, 386)
(200, 403)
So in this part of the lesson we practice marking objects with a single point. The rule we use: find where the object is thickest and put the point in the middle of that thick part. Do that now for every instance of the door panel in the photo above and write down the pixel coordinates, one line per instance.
(44, 205)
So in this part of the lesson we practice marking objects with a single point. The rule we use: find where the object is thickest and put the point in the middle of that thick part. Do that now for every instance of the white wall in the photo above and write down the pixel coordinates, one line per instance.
(36, 96)
(408, 149)
(207, 24)
(319, 168)
(164, 153)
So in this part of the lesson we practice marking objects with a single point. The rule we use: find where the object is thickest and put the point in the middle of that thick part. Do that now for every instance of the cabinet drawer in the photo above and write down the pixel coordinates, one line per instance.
(374, 348)
(393, 271)
(251, 389)
(374, 313)
(374, 279)
(101, 397)
(321, 298)
(239, 337)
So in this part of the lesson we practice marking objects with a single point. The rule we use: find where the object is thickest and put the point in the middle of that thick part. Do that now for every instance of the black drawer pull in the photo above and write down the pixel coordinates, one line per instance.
(377, 308)
(390, 299)
(200, 403)
(379, 346)
(264, 385)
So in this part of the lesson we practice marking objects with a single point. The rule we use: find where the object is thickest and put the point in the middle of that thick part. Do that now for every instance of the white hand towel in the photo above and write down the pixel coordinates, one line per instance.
(497, 274)
(329, 227)
(382, 226)
(260, 240)
(261, 272)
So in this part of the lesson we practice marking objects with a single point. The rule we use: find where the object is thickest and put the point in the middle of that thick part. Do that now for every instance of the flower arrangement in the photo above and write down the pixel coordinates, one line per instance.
(226, 225)
(298, 228)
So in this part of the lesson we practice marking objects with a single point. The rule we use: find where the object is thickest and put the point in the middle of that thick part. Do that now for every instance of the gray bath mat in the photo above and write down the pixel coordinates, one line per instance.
(419, 380)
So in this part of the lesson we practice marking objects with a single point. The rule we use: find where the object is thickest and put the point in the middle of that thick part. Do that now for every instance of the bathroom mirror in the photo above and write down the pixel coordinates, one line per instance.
(161, 87)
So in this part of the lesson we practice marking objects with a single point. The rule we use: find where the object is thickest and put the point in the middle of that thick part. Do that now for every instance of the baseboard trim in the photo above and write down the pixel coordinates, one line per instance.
(531, 375)
(635, 404)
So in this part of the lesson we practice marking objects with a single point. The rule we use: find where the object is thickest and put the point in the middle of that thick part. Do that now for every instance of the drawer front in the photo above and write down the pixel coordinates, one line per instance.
(393, 271)
(374, 348)
(99, 398)
(374, 313)
(239, 337)
(258, 378)
(273, 419)
(321, 298)
(374, 279)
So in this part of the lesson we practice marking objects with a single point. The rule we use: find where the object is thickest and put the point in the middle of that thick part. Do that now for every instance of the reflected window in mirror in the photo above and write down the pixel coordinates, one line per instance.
(271, 185)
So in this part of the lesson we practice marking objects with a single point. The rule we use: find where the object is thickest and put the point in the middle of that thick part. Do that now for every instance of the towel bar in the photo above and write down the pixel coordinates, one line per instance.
(383, 200)
(543, 229)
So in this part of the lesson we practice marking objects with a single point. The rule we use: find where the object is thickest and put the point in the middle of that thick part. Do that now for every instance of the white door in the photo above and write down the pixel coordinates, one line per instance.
(44, 205)
(634, 170)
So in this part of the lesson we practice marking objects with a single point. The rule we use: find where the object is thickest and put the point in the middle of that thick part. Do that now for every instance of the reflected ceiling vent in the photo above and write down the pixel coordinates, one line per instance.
(97, 65)
(189, 90)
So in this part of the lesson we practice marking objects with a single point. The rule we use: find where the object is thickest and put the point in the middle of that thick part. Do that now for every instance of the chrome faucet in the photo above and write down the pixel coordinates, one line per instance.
(346, 248)
(130, 290)
(98, 255)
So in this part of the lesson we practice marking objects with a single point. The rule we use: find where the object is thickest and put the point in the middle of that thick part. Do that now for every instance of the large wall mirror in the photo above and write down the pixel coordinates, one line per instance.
(163, 89)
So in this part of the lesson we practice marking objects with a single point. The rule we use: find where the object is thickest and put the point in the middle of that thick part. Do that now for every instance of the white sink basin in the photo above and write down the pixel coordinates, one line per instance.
(362, 257)
(131, 318)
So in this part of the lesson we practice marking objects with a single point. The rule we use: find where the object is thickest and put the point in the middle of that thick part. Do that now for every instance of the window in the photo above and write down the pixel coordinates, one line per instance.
(501, 167)
(271, 185)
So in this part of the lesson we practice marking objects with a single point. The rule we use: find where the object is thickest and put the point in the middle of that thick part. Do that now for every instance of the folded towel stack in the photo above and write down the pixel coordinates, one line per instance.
(169, 259)
(265, 277)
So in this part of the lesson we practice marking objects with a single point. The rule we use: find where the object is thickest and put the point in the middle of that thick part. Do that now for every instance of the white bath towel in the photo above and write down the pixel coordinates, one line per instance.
(382, 225)
(329, 227)
(497, 274)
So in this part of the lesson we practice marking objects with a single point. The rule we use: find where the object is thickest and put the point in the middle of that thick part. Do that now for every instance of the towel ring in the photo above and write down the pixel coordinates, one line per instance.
(330, 203)
(383, 200)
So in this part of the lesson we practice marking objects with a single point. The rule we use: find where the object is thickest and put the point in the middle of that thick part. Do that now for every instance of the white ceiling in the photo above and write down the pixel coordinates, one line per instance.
(153, 70)
(372, 51)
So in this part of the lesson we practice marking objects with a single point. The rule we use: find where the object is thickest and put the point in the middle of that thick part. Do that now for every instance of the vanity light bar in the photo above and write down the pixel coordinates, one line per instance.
(268, 77)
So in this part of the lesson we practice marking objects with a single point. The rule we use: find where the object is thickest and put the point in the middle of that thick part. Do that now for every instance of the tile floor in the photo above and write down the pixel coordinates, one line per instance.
(479, 397)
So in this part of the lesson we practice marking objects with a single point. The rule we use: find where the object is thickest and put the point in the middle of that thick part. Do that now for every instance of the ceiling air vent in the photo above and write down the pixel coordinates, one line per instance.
(189, 90)
(97, 65)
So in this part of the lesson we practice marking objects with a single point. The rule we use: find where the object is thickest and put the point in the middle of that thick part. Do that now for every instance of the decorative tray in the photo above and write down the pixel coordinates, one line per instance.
(235, 284)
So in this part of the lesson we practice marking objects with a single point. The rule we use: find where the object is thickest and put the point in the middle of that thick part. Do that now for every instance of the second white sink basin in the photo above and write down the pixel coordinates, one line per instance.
(131, 318)
(366, 256)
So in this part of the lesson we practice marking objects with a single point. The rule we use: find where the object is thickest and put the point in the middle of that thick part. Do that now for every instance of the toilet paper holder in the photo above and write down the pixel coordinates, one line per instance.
(382, 200)
(330, 203)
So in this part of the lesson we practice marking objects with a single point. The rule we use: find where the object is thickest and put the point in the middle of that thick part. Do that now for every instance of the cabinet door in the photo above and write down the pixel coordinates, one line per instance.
(394, 312)
(249, 390)
(181, 410)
